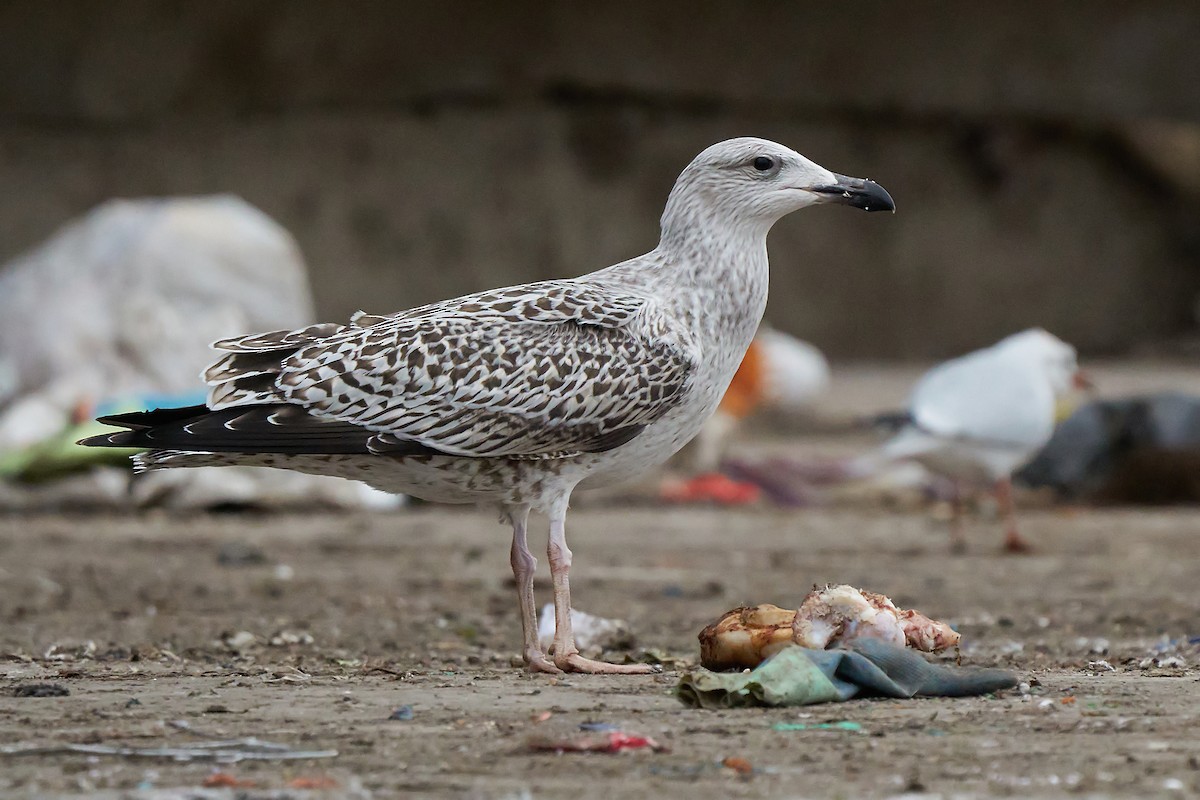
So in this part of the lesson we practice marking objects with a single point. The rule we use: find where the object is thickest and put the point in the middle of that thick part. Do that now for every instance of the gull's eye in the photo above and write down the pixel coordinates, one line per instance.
(764, 163)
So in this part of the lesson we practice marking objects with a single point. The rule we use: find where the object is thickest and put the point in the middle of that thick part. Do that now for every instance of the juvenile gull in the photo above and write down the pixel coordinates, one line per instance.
(513, 397)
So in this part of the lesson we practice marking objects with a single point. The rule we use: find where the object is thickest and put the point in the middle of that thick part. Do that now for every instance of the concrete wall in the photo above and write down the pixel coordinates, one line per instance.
(1043, 156)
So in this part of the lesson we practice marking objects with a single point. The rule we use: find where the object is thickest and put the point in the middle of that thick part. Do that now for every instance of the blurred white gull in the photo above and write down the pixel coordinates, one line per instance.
(978, 418)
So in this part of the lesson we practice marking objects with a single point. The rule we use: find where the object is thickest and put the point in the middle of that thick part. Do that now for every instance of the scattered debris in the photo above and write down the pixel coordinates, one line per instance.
(611, 742)
(1167, 643)
(598, 727)
(1101, 666)
(739, 765)
(63, 651)
(239, 641)
(293, 675)
(402, 714)
(240, 554)
(784, 482)
(1098, 646)
(828, 617)
(315, 782)
(223, 780)
(40, 690)
(1162, 662)
(288, 638)
(592, 634)
(713, 488)
(222, 751)
(840, 725)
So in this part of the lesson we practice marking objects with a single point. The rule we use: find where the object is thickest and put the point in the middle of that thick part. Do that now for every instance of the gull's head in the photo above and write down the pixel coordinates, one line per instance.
(1056, 359)
(756, 181)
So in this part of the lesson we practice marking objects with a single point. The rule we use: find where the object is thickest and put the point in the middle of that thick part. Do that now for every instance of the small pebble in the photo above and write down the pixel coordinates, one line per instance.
(286, 638)
(597, 726)
(240, 640)
(40, 690)
(240, 554)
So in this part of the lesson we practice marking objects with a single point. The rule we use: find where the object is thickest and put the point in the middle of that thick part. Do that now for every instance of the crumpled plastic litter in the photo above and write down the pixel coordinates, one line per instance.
(127, 298)
(1142, 449)
(222, 751)
(57, 473)
(58, 455)
(798, 676)
(593, 634)
(115, 312)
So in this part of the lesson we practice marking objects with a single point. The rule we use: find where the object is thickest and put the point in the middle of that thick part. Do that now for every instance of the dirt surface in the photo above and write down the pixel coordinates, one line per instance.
(140, 621)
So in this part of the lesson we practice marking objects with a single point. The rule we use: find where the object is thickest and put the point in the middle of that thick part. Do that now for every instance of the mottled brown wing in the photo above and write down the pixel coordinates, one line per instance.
(537, 371)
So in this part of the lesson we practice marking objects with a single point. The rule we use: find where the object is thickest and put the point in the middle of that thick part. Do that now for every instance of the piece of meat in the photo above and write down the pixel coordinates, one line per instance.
(745, 636)
(828, 617)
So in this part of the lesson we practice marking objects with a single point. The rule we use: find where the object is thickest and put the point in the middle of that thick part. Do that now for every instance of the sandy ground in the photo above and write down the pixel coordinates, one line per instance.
(333, 622)
(134, 617)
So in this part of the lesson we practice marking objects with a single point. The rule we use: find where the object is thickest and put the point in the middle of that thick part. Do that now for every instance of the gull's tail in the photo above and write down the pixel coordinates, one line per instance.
(195, 436)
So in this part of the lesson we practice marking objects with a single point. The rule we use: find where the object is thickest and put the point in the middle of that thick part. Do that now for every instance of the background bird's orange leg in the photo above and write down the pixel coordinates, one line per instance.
(1013, 541)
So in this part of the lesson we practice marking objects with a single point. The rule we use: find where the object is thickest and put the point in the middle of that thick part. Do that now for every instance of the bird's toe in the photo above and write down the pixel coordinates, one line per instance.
(573, 662)
(537, 662)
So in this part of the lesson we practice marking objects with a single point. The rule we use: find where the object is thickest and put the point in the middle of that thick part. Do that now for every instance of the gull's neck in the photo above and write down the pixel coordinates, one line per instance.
(700, 248)
(712, 269)
(710, 272)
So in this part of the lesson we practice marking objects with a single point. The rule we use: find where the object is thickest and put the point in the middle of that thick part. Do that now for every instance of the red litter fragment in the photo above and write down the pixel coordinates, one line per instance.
(225, 780)
(612, 742)
(712, 488)
(739, 765)
(618, 741)
(317, 782)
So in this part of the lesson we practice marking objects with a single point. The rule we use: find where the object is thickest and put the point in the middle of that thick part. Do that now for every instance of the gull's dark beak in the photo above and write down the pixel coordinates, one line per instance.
(857, 192)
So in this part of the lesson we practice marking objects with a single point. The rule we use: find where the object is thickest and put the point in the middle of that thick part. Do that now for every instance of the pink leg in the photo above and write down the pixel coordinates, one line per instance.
(1013, 541)
(566, 655)
(523, 566)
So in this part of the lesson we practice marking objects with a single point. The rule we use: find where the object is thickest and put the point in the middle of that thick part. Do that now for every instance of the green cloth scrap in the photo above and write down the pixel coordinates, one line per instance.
(59, 455)
(797, 676)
